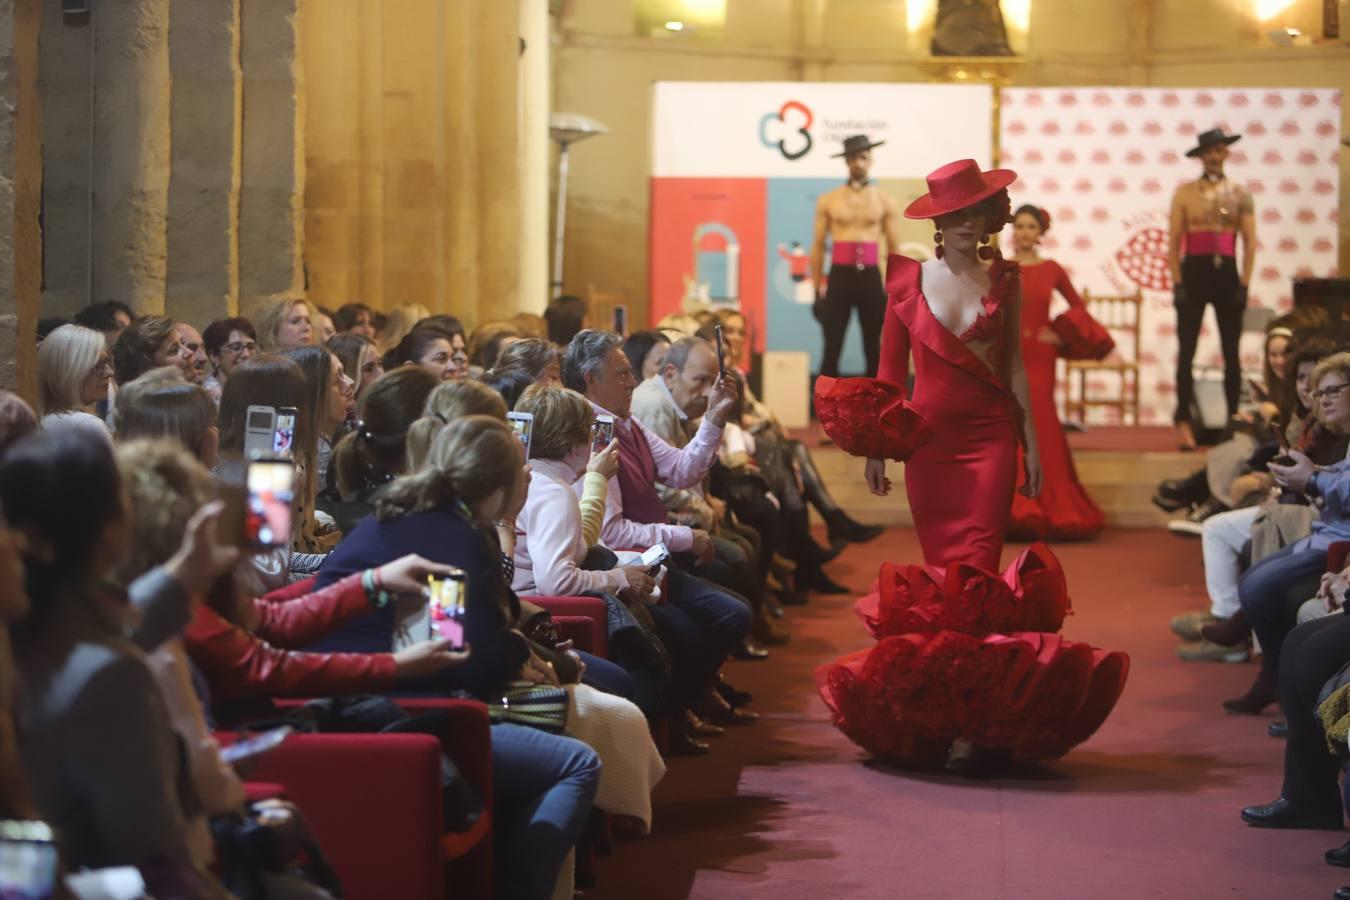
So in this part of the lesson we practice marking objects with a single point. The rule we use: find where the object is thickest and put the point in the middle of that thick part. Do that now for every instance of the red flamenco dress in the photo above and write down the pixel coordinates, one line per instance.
(962, 653)
(1063, 511)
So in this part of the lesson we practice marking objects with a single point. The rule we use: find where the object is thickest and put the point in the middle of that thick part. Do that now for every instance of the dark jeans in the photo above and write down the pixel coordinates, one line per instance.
(1271, 593)
(606, 676)
(1313, 652)
(851, 288)
(544, 785)
(700, 624)
(1219, 286)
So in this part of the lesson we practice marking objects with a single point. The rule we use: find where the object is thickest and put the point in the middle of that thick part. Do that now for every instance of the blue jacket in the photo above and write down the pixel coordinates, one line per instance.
(442, 536)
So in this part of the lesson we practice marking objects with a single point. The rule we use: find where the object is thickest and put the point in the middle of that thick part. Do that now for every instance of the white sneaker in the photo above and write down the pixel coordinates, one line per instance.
(1186, 527)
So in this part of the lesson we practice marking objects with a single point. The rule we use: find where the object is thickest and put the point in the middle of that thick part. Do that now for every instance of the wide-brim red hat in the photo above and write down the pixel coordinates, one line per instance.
(958, 185)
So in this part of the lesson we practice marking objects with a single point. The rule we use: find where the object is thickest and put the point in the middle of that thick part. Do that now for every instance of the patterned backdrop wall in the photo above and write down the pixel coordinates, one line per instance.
(1105, 161)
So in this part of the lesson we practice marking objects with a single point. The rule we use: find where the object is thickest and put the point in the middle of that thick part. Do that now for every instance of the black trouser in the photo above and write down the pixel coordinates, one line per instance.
(1218, 285)
(1313, 652)
(852, 288)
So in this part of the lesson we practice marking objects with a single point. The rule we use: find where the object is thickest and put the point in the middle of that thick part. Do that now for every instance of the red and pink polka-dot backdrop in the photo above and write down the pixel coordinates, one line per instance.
(1105, 161)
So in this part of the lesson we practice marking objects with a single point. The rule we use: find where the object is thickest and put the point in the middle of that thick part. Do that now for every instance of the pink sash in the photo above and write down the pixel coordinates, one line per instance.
(854, 253)
(1211, 243)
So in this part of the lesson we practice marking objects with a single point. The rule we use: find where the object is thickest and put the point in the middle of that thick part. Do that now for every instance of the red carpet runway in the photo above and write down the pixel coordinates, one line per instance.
(1147, 808)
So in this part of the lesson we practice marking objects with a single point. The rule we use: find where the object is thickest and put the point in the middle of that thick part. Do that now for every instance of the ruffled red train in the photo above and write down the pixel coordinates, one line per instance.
(968, 654)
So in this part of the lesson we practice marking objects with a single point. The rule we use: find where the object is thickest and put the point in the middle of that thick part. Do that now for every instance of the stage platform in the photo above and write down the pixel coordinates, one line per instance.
(1119, 466)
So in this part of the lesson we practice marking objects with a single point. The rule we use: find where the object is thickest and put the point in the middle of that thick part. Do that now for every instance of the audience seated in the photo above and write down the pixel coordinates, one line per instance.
(431, 349)
(509, 383)
(646, 350)
(1273, 589)
(74, 371)
(331, 400)
(149, 343)
(110, 317)
(97, 737)
(160, 404)
(537, 357)
(486, 344)
(324, 329)
(701, 623)
(445, 404)
(472, 478)
(360, 360)
(286, 325)
(195, 348)
(1221, 632)
(565, 316)
(354, 318)
(228, 342)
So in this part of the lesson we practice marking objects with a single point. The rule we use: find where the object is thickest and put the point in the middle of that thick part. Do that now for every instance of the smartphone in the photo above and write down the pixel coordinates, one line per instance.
(602, 433)
(268, 505)
(283, 433)
(654, 557)
(721, 359)
(621, 319)
(28, 860)
(522, 424)
(446, 598)
(259, 424)
(255, 746)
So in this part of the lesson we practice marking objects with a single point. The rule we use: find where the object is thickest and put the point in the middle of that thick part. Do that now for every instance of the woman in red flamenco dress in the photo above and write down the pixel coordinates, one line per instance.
(1063, 510)
(967, 660)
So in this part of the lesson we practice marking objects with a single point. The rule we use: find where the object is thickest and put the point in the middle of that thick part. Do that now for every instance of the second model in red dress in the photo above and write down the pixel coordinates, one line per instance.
(1063, 511)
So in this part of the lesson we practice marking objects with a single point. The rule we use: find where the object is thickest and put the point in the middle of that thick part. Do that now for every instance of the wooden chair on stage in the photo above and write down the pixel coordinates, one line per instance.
(1120, 315)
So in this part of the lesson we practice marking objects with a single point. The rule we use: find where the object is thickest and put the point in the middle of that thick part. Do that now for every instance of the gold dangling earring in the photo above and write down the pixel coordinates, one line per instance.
(937, 239)
(985, 251)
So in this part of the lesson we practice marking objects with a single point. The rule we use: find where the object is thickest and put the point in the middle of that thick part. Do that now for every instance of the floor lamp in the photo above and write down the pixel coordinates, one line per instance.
(566, 129)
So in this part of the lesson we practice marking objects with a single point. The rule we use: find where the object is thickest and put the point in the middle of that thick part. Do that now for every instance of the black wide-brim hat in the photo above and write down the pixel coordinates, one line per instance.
(856, 144)
(1210, 138)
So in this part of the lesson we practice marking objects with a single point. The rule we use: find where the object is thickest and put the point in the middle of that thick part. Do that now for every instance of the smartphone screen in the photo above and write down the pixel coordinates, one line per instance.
(283, 435)
(268, 508)
(721, 360)
(258, 431)
(654, 557)
(602, 432)
(446, 598)
(253, 746)
(522, 424)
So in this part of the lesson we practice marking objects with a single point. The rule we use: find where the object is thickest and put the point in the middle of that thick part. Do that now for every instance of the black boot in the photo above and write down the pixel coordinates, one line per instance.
(1260, 695)
(843, 529)
(1188, 491)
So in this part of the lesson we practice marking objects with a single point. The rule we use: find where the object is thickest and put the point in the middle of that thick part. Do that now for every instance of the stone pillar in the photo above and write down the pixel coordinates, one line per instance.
(20, 195)
(495, 84)
(131, 145)
(461, 189)
(66, 59)
(206, 108)
(535, 105)
(272, 185)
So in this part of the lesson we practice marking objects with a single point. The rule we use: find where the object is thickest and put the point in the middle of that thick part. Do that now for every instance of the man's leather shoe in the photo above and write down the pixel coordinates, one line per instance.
(1280, 730)
(697, 726)
(746, 649)
(1282, 814)
(1340, 856)
(733, 696)
(681, 743)
(823, 584)
(716, 709)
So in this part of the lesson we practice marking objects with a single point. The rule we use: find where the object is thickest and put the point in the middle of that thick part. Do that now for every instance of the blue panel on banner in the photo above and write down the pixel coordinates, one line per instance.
(712, 271)
(790, 220)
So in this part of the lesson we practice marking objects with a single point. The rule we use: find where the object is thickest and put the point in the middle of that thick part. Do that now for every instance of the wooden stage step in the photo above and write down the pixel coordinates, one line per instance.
(1121, 483)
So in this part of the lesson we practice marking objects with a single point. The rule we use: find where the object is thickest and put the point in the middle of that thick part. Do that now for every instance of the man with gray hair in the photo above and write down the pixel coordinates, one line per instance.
(595, 366)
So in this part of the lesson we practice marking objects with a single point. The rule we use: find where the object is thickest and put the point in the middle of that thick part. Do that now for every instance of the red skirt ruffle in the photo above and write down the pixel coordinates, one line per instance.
(968, 654)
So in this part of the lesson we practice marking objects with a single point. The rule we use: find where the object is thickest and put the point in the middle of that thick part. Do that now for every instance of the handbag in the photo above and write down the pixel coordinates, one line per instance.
(539, 706)
(270, 837)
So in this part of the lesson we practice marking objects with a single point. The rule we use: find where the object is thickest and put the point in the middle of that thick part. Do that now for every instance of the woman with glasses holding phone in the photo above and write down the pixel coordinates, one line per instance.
(74, 371)
(228, 343)
(1272, 590)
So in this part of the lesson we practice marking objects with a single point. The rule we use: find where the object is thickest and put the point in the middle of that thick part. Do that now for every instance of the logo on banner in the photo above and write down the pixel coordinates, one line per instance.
(788, 130)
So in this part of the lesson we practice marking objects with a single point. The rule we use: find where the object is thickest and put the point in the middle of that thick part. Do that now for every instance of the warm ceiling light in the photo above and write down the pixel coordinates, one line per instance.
(674, 26)
(1269, 9)
(1017, 13)
(919, 12)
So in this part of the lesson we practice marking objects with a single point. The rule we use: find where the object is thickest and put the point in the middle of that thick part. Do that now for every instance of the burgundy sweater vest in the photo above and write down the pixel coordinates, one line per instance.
(637, 477)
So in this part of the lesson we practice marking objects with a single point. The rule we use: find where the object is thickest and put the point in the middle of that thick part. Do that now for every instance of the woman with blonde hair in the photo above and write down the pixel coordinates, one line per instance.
(450, 401)
(399, 322)
(287, 325)
(74, 371)
(360, 359)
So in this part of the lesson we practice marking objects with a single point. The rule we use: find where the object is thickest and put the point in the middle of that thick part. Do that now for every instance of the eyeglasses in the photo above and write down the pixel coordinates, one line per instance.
(1329, 393)
(241, 346)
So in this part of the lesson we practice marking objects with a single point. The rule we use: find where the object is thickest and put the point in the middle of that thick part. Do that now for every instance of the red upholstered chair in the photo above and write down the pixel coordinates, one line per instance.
(374, 802)
(583, 620)
(1336, 556)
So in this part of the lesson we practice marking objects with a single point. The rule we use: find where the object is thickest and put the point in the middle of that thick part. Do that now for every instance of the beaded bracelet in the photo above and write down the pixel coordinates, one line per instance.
(374, 588)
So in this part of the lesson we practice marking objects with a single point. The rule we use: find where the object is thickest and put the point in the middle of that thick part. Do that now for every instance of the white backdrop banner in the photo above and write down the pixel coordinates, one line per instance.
(1105, 161)
(791, 129)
